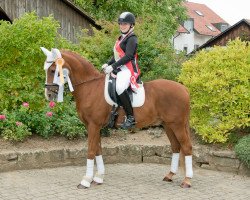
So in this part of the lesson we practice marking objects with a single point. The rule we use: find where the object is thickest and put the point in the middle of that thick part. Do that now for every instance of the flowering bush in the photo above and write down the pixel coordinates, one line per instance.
(11, 128)
(23, 122)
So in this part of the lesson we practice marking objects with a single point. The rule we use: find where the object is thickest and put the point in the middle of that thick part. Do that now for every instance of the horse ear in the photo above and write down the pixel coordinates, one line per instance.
(45, 51)
(56, 53)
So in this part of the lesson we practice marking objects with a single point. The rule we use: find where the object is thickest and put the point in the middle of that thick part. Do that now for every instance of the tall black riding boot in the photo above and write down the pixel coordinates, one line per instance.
(130, 120)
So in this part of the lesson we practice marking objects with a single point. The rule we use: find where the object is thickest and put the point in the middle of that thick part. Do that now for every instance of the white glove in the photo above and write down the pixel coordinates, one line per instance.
(108, 69)
(105, 65)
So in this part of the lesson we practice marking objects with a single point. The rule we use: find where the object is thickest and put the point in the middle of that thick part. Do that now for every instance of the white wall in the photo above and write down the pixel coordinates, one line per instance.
(189, 40)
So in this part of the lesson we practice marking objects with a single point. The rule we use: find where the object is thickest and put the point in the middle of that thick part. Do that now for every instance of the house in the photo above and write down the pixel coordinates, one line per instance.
(71, 18)
(239, 30)
(202, 25)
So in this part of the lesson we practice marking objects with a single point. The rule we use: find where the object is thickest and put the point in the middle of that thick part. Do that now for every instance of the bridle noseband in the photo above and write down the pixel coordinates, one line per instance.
(52, 88)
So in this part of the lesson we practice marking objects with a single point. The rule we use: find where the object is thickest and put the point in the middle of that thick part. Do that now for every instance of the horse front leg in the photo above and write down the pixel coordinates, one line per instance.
(93, 144)
(99, 176)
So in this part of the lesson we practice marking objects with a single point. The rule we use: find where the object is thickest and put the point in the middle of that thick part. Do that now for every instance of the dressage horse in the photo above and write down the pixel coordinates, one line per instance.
(167, 103)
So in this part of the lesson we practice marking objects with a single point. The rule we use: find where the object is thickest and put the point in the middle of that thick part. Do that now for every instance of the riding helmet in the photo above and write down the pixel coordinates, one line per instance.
(126, 17)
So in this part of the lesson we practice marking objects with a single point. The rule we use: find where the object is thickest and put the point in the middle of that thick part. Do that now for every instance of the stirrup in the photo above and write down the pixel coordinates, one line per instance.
(128, 123)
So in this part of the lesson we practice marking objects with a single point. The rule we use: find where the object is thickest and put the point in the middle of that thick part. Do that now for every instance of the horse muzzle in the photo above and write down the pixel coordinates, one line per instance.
(51, 91)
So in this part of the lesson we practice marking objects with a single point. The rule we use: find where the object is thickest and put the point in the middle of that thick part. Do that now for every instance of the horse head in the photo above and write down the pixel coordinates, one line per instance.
(57, 74)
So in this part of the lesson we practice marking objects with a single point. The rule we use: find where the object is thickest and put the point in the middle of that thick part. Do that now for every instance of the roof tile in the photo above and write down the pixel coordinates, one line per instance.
(208, 18)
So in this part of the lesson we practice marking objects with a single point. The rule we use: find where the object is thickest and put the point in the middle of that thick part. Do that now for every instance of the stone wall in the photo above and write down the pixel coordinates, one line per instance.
(203, 156)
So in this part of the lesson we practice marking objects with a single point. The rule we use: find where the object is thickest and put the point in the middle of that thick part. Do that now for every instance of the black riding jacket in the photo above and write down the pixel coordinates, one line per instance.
(129, 46)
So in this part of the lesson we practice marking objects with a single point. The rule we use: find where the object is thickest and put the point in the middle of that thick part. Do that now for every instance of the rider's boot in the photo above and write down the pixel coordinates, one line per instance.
(126, 104)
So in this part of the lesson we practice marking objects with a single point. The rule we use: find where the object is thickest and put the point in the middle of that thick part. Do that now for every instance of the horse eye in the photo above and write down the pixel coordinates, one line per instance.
(52, 71)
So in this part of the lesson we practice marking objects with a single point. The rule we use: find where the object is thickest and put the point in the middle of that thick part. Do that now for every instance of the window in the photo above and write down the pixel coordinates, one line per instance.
(189, 25)
(223, 27)
(185, 48)
(196, 46)
(210, 27)
(199, 13)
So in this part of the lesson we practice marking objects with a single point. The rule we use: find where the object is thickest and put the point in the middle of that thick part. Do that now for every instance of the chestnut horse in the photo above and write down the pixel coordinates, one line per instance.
(167, 103)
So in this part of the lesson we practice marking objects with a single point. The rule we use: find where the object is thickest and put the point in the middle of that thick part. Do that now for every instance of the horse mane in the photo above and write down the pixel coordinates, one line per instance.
(88, 66)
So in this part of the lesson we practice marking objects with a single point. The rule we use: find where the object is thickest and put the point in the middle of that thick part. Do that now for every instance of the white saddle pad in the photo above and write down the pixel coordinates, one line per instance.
(138, 97)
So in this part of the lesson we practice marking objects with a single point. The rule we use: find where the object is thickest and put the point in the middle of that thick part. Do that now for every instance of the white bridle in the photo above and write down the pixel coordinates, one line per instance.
(53, 56)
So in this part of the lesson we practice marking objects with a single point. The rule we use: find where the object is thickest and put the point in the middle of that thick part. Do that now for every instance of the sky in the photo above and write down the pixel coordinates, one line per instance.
(231, 11)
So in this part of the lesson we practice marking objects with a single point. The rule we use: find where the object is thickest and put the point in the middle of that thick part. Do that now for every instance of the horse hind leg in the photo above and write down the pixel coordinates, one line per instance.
(175, 146)
(181, 131)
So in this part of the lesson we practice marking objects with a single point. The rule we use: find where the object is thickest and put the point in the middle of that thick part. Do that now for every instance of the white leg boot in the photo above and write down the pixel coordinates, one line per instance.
(99, 176)
(88, 178)
(189, 166)
(175, 162)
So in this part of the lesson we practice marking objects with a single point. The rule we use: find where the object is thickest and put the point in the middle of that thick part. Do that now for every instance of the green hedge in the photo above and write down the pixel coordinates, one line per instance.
(219, 84)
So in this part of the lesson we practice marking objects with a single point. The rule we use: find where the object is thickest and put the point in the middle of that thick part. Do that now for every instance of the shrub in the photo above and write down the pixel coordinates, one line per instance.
(22, 75)
(242, 150)
(219, 85)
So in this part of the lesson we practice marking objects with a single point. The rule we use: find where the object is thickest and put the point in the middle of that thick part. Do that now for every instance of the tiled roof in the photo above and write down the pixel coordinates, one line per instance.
(204, 18)
(224, 34)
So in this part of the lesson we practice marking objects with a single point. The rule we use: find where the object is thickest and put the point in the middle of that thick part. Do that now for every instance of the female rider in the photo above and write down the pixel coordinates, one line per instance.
(124, 65)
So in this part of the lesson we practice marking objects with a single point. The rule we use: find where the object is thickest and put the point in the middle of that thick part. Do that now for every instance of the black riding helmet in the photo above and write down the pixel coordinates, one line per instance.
(126, 17)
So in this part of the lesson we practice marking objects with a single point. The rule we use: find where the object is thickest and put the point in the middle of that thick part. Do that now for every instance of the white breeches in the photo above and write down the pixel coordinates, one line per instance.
(123, 80)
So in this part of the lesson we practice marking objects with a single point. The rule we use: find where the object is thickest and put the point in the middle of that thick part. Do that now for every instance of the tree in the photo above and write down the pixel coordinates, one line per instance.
(156, 22)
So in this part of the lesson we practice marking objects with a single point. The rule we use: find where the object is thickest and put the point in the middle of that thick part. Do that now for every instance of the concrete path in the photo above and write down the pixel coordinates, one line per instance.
(122, 181)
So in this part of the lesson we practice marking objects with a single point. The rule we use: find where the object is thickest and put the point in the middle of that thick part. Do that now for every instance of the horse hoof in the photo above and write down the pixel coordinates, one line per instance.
(167, 179)
(95, 183)
(80, 186)
(185, 185)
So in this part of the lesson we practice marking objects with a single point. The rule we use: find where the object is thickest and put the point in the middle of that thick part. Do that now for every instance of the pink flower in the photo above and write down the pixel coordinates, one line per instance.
(49, 114)
(19, 123)
(25, 104)
(2, 117)
(52, 104)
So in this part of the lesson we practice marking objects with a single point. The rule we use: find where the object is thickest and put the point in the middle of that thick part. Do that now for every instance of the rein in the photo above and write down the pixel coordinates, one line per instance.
(83, 82)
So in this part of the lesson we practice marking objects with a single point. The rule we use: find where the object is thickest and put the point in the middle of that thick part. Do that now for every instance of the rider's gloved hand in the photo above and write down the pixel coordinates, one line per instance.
(104, 65)
(108, 69)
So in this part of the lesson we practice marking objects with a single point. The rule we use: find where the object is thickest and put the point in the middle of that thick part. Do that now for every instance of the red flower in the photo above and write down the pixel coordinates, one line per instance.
(49, 114)
(25, 104)
(2, 117)
(19, 123)
(52, 104)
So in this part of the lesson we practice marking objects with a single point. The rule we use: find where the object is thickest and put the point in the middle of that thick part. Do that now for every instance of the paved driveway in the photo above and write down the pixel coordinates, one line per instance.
(122, 181)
